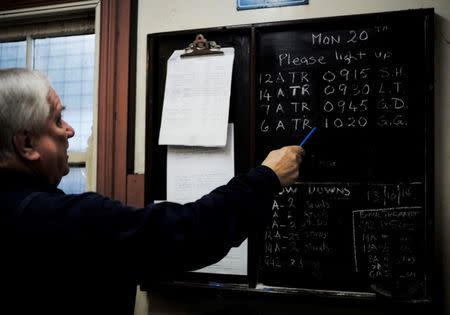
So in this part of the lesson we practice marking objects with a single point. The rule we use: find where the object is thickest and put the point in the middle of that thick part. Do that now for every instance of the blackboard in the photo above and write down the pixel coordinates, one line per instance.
(359, 221)
(357, 218)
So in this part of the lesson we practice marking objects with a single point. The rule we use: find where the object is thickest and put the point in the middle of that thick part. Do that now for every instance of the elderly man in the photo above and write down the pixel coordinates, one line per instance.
(85, 254)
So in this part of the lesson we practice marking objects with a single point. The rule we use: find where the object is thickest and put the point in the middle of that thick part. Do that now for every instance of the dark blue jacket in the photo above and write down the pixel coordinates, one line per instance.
(85, 254)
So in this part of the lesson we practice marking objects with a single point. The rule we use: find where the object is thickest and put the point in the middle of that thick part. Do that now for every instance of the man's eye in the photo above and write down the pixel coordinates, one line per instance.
(59, 122)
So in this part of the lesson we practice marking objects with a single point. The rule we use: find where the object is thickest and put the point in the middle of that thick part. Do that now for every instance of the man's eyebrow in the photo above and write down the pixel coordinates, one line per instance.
(63, 108)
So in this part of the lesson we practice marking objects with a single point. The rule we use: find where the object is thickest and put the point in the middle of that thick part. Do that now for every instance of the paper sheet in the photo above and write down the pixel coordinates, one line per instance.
(195, 171)
(197, 99)
(235, 263)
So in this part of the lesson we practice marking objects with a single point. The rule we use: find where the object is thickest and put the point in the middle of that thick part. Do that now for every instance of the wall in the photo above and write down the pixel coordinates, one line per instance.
(173, 15)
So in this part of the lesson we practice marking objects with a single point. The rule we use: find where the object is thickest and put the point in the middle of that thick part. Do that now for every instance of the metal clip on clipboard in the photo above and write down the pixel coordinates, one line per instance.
(200, 47)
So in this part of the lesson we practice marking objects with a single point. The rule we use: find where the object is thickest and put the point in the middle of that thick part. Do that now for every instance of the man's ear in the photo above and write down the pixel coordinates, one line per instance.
(23, 143)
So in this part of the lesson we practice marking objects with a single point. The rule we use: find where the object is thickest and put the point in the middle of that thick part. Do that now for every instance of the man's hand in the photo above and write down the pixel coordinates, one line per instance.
(285, 163)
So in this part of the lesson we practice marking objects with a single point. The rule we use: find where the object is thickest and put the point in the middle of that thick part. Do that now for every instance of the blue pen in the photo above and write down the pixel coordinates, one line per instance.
(307, 136)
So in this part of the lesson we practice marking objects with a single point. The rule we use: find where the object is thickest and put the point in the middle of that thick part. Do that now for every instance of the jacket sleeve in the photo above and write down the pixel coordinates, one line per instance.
(162, 236)
(200, 233)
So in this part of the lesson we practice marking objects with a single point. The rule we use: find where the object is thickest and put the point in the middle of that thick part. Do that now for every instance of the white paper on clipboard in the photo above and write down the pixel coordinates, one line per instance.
(197, 99)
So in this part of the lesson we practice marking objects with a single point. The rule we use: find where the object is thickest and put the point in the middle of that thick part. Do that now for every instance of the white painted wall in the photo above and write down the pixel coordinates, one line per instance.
(156, 16)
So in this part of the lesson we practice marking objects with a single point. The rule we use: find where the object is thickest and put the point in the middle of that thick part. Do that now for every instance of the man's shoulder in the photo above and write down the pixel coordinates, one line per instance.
(18, 196)
(58, 199)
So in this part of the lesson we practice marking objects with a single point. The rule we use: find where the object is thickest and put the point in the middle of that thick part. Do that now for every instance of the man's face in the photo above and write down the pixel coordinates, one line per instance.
(52, 143)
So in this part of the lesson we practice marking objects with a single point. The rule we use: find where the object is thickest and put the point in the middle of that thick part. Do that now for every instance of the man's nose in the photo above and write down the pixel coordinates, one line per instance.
(69, 130)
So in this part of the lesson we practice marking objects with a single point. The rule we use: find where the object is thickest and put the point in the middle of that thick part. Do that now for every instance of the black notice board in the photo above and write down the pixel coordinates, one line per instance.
(359, 221)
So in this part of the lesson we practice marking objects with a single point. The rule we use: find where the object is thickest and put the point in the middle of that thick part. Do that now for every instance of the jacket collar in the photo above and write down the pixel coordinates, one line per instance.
(11, 179)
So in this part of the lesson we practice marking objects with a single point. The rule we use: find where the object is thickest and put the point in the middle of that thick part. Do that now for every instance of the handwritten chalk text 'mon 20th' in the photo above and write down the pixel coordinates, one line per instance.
(328, 39)
(347, 37)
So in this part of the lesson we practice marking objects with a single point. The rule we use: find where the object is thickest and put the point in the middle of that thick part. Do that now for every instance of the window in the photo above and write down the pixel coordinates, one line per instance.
(68, 60)
(13, 54)
(69, 64)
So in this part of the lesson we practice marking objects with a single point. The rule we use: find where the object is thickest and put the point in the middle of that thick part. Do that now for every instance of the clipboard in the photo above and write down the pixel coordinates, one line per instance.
(201, 47)
(196, 102)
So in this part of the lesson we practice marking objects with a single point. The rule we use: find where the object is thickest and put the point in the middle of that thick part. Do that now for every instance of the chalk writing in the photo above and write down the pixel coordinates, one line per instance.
(352, 36)
(387, 246)
(308, 224)
(370, 81)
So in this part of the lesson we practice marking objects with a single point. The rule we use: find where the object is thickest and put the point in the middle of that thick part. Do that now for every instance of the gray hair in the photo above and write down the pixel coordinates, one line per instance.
(23, 106)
